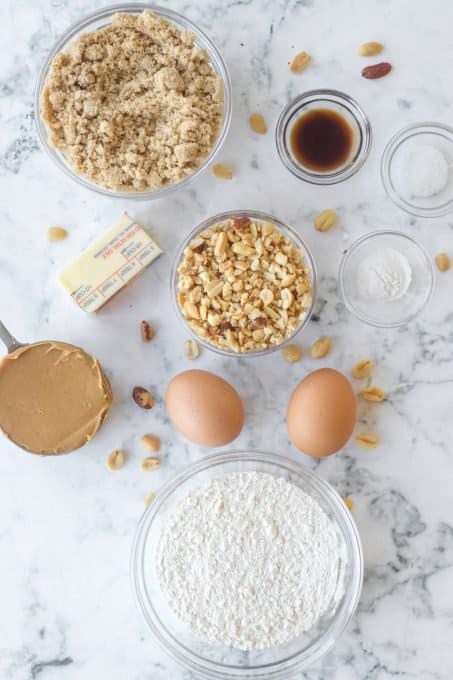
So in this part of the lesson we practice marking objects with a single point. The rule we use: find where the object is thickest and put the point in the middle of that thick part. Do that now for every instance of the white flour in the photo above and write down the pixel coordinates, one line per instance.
(250, 560)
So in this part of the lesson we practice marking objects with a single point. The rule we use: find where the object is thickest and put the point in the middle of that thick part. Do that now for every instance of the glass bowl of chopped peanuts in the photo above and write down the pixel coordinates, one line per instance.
(134, 101)
(244, 283)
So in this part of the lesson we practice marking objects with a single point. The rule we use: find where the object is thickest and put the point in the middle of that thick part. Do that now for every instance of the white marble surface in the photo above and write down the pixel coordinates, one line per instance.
(66, 607)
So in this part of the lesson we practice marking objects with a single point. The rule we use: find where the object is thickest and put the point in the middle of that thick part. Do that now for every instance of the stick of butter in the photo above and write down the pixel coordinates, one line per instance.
(109, 264)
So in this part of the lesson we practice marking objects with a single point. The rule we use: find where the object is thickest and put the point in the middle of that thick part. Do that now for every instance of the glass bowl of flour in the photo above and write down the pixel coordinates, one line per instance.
(386, 278)
(247, 565)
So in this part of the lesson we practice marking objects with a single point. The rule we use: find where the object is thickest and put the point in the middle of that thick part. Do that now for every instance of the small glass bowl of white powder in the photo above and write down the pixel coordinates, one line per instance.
(417, 169)
(386, 278)
(247, 565)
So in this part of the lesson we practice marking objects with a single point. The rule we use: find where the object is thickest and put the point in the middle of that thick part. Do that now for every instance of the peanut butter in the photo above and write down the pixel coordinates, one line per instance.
(54, 397)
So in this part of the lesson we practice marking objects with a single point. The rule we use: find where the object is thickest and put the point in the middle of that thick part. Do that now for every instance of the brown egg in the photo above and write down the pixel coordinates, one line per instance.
(204, 408)
(321, 413)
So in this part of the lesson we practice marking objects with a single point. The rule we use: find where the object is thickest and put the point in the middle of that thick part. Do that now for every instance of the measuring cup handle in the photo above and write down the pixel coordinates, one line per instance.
(8, 339)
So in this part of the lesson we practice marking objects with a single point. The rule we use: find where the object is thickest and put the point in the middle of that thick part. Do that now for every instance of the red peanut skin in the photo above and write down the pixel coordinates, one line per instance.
(376, 70)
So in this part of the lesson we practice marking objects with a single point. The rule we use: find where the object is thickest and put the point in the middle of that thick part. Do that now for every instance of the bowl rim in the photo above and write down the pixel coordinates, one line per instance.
(106, 12)
(280, 670)
(261, 216)
(393, 144)
(355, 109)
(344, 261)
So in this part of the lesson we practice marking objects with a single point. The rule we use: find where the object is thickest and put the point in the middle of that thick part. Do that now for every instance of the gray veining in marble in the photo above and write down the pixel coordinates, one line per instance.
(66, 608)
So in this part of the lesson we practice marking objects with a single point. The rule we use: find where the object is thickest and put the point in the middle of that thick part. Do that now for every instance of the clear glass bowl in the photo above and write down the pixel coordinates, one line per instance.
(289, 232)
(336, 101)
(217, 661)
(393, 170)
(97, 20)
(387, 313)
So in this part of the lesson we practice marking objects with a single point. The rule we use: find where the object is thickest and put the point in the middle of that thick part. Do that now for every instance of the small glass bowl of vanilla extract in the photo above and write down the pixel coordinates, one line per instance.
(323, 136)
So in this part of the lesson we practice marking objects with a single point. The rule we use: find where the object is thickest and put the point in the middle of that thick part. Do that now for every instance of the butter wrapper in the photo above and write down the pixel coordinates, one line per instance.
(109, 264)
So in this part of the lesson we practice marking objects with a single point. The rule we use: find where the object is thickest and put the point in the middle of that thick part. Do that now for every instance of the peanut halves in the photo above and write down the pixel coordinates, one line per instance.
(115, 460)
(325, 220)
(191, 349)
(300, 62)
(143, 397)
(363, 369)
(150, 463)
(442, 262)
(147, 331)
(149, 498)
(367, 440)
(373, 394)
(56, 234)
(222, 171)
(150, 442)
(321, 348)
(258, 124)
(370, 49)
(292, 353)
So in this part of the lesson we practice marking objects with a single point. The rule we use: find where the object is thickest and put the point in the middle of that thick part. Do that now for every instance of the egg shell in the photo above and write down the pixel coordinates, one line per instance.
(322, 413)
(205, 408)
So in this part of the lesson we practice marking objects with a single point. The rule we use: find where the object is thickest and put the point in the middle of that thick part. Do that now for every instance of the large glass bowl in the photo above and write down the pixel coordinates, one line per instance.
(217, 661)
(100, 19)
(287, 231)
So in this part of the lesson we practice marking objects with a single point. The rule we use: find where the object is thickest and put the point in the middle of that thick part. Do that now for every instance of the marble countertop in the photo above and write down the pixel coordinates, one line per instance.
(66, 606)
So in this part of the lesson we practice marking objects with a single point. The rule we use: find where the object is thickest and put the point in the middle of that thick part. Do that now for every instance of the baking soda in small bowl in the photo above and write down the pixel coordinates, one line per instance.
(386, 278)
(384, 274)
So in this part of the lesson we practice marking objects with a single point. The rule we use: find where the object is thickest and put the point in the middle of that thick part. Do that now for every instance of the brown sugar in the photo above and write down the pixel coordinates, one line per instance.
(135, 105)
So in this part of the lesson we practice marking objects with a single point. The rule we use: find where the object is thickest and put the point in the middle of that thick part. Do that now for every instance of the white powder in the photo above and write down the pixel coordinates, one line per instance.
(384, 275)
(250, 560)
(426, 171)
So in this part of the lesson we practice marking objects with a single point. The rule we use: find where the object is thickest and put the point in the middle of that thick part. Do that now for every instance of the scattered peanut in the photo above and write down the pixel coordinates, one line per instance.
(370, 49)
(367, 441)
(150, 442)
(149, 498)
(292, 353)
(115, 460)
(376, 70)
(373, 394)
(56, 234)
(325, 220)
(363, 369)
(147, 332)
(192, 349)
(142, 397)
(442, 262)
(222, 171)
(150, 463)
(321, 348)
(258, 124)
(300, 62)
(349, 504)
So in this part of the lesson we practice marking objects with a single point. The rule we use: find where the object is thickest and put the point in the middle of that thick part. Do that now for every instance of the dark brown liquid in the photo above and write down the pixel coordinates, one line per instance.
(321, 140)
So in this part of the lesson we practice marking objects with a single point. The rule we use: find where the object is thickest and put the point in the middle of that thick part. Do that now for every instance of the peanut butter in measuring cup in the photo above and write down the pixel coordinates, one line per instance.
(54, 396)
